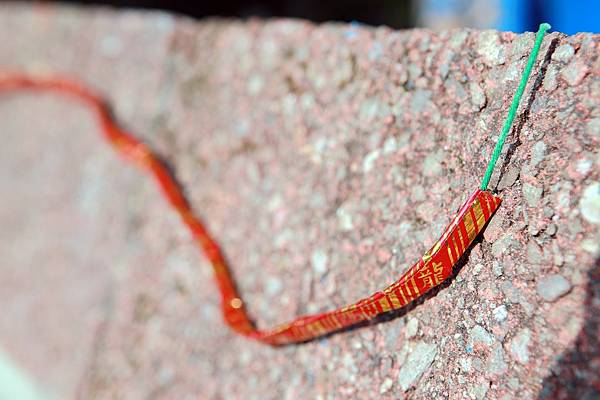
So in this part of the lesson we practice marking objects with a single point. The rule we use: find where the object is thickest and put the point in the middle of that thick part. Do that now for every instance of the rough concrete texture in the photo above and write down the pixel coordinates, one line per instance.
(326, 159)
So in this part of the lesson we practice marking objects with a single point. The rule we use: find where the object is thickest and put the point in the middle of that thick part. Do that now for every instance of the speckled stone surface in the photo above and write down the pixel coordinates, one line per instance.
(325, 159)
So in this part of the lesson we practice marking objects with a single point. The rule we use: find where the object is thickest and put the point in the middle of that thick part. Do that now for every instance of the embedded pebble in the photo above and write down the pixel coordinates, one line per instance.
(563, 53)
(532, 194)
(521, 44)
(496, 364)
(497, 268)
(509, 178)
(551, 80)
(589, 205)
(500, 313)
(591, 246)
(502, 244)
(593, 127)
(273, 285)
(519, 346)
(477, 96)
(421, 101)
(538, 153)
(465, 364)
(344, 219)
(369, 160)
(319, 262)
(432, 165)
(534, 253)
(412, 327)
(551, 229)
(390, 145)
(386, 385)
(552, 287)
(584, 166)
(479, 391)
(478, 334)
(255, 84)
(386, 365)
(512, 293)
(490, 49)
(575, 72)
(417, 362)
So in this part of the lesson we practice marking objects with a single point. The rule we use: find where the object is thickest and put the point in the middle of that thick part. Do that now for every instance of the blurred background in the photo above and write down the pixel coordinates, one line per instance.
(567, 16)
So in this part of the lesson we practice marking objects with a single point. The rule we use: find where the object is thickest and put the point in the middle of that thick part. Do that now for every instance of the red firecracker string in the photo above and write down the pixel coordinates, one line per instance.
(430, 271)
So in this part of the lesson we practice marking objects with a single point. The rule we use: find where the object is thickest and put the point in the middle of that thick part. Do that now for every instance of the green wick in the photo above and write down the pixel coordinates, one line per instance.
(515, 104)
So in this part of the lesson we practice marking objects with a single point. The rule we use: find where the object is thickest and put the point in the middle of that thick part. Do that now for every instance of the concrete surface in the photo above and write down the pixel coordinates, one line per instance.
(326, 159)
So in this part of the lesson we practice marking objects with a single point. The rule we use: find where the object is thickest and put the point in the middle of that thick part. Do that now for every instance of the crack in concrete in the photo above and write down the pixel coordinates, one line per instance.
(524, 117)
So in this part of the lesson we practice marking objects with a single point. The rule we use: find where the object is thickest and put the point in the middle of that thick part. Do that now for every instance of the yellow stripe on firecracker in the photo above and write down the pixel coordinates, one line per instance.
(404, 299)
(460, 237)
(415, 287)
(450, 253)
(385, 305)
(479, 216)
(394, 300)
(456, 249)
(470, 228)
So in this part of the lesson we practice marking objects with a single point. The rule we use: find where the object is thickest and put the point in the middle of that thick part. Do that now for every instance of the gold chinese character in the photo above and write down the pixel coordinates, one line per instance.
(438, 273)
(426, 278)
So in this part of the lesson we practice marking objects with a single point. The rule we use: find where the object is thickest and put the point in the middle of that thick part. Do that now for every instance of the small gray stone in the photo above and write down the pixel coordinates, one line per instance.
(319, 262)
(519, 346)
(478, 334)
(477, 96)
(490, 49)
(549, 212)
(390, 146)
(412, 327)
(533, 229)
(550, 80)
(479, 391)
(502, 244)
(509, 178)
(421, 101)
(373, 108)
(551, 229)
(575, 72)
(584, 166)
(386, 385)
(344, 219)
(369, 160)
(416, 364)
(432, 165)
(496, 364)
(532, 194)
(511, 292)
(465, 364)
(497, 268)
(538, 153)
(591, 246)
(593, 127)
(552, 287)
(558, 257)
(273, 285)
(385, 365)
(589, 205)
(500, 313)
(563, 53)
(514, 383)
(521, 44)
(534, 253)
